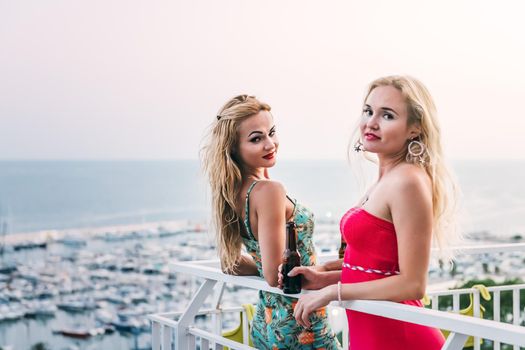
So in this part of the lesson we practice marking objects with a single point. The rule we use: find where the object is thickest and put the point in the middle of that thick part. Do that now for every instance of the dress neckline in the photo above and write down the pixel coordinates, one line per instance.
(375, 217)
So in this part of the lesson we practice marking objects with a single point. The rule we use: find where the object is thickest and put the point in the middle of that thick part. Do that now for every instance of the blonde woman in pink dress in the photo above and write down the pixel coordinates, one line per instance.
(389, 232)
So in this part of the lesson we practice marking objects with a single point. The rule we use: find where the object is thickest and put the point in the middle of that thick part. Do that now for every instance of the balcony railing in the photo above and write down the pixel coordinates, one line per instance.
(179, 330)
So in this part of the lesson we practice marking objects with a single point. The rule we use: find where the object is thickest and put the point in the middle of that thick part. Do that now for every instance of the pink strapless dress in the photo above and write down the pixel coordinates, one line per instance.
(371, 254)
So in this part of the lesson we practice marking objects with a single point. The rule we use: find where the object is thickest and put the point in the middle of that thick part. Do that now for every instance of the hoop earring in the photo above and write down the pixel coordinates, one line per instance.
(358, 147)
(416, 152)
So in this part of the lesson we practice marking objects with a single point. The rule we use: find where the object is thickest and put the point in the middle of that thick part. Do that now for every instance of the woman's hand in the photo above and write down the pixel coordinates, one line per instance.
(310, 302)
(312, 276)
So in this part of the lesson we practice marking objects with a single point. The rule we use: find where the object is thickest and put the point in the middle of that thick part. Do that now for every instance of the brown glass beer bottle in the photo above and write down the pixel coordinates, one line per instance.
(291, 259)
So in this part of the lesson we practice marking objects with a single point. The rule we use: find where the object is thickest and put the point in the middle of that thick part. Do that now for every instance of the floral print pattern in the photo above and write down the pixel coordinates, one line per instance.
(273, 326)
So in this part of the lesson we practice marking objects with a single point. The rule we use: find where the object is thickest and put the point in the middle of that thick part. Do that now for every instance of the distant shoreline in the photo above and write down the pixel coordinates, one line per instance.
(90, 232)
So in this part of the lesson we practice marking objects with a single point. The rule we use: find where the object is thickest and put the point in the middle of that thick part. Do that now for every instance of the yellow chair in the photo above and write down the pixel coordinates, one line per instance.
(469, 311)
(235, 334)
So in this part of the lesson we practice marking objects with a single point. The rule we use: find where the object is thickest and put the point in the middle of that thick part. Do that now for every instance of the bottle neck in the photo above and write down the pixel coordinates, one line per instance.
(291, 243)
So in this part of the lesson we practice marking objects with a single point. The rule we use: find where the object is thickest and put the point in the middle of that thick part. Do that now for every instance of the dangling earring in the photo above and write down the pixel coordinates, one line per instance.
(358, 146)
(416, 151)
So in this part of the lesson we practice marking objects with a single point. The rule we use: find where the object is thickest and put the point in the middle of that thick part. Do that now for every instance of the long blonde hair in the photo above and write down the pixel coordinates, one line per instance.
(223, 168)
(445, 192)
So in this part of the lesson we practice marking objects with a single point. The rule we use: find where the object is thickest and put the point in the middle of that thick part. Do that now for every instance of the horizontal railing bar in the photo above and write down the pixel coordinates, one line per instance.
(203, 312)
(209, 262)
(253, 282)
(440, 293)
(218, 339)
(486, 248)
(162, 320)
(487, 329)
(508, 287)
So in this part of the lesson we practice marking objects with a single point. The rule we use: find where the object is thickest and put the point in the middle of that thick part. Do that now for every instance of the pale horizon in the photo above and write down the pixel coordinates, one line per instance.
(126, 80)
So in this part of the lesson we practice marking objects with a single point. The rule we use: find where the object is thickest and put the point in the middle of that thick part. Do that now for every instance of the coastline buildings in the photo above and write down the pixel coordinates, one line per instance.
(102, 287)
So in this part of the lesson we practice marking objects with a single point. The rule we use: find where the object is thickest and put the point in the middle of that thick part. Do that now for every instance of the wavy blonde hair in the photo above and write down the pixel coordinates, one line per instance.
(445, 192)
(223, 169)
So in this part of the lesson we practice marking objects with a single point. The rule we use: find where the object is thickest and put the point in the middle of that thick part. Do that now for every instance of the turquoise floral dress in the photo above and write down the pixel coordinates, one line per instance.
(273, 326)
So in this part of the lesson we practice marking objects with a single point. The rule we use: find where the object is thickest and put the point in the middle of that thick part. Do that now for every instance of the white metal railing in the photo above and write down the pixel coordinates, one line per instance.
(487, 248)
(183, 334)
(495, 298)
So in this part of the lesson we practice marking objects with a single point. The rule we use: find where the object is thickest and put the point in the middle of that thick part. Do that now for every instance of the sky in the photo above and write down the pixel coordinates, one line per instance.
(107, 79)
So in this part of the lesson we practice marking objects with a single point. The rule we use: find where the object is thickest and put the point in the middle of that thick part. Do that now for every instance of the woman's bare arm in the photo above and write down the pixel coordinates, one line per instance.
(269, 203)
(244, 267)
(411, 210)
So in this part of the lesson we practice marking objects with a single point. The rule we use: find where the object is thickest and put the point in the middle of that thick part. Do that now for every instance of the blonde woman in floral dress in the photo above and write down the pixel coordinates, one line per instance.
(251, 210)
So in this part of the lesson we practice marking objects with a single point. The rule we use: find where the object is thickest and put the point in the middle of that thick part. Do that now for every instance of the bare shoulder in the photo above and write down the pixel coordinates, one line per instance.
(268, 191)
(407, 178)
(409, 195)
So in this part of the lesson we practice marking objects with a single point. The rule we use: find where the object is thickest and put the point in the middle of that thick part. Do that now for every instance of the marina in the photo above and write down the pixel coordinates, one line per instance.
(95, 286)
(84, 290)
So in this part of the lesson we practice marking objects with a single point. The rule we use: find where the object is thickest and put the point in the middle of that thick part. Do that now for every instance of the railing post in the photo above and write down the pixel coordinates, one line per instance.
(497, 300)
(455, 341)
(477, 313)
(455, 302)
(205, 344)
(217, 326)
(191, 342)
(245, 330)
(216, 318)
(217, 297)
(435, 302)
(516, 319)
(155, 336)
(167, 337)
(346, 335)
(187, 317)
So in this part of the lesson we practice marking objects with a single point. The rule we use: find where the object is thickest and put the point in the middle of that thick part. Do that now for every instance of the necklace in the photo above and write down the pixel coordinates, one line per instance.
(367, 194)
(365, 200)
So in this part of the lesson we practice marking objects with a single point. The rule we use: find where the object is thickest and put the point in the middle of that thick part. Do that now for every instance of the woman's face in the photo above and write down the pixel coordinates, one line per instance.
(384, 122)
(258, 142)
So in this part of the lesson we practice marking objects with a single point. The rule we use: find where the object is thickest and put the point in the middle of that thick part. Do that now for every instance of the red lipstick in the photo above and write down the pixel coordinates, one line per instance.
(371, 137)
(269, 156)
